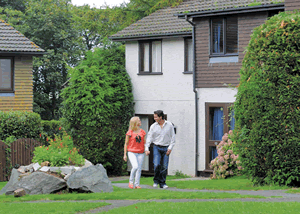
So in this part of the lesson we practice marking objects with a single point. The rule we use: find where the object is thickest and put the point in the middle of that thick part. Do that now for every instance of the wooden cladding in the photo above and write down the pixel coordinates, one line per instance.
(291, 5)
(210, 75)
(22, 98)
(21, 153)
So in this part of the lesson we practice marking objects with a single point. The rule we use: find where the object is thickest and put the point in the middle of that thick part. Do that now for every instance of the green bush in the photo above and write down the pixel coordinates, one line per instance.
(267, 106)
(51, 128)
(60, 152)
(98, 104)
(20, 124)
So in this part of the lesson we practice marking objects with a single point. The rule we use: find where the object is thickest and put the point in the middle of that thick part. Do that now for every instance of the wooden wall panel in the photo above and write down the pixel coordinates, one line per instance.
(210, 75)
(291, 5)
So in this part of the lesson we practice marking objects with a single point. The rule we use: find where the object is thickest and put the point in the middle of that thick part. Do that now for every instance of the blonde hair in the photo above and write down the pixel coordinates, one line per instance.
(133, 123)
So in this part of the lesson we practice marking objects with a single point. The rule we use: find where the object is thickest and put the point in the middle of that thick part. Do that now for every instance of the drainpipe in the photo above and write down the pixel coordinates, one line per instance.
(196, 94)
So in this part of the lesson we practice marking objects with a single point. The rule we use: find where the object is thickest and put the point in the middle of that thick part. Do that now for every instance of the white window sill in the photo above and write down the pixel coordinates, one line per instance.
(224, 59)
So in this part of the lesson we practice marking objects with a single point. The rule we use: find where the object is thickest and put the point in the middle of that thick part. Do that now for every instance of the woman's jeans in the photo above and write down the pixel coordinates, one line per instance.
(136, 160)
(161, 162)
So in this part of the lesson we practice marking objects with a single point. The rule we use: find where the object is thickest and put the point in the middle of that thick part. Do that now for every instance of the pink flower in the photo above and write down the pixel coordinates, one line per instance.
(226, 157)
(230, 132)
(238, 162)
(229, 142)
(225, 137)
(240, 168)
(221, 159)
(220, 152)
(230, 152)
(231, 172)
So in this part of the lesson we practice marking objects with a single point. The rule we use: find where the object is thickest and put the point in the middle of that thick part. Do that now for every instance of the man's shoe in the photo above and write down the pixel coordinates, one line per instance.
(155, 185)
(130, 185)
(165, 186)
(138, 187)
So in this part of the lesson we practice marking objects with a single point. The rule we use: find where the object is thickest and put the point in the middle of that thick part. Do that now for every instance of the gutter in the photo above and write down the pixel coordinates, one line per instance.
(8, 53)
(196, 95)
(151, 36)
(231, 11)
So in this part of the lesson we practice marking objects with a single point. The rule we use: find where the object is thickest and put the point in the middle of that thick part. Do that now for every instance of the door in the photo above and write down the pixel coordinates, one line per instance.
(219, 120)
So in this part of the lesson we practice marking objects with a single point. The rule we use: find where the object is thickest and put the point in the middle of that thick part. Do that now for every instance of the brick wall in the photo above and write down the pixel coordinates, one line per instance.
(210, 75)
(23, 97)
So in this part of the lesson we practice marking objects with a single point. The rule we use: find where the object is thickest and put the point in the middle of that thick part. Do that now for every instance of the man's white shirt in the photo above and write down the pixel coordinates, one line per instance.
(164, 136)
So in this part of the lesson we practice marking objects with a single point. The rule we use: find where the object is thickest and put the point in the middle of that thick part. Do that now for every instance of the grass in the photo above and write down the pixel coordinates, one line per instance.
(234, 183)
(2, 184)
(54, 207)
(294, 191)
(210, 207)
(127, 194)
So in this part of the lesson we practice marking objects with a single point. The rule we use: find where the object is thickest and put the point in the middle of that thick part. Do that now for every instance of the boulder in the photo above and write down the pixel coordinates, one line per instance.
(90, 179)
(37, 183)
(36, 166)
(44, 169)
(19, 193)
(13, 179)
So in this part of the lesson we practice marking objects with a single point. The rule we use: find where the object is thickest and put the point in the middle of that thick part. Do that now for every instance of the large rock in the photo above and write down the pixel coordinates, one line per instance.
(19, 193)
(63, 169)
(90, 179)
(37, 183)
(13, 179)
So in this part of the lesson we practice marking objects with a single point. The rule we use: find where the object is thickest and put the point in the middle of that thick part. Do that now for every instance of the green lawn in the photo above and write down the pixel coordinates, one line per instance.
(234, 183)
(55, 207)
(127, 194)
(2, 184)
(210, 208)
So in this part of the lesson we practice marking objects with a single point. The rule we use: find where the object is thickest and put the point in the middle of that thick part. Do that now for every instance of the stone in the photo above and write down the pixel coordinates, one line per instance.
(13, 179)
(90, 179)
(45, 169)
(21, 169)
(19, 193)
(64, 169)
(67, 176)
(45, 163)
(86, 164)
(36, 166)
(29, 167)
(37, 183)
(25, 174)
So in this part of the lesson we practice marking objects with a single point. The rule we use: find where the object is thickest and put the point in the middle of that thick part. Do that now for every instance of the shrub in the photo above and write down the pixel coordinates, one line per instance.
(267, 107)
(98, 104)
(227, 163)
(60, 152)
(51, 128)
(20, 124)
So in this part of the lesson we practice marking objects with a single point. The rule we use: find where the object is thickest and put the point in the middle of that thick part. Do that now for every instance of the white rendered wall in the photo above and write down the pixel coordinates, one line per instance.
(209, 95)
(171, 92)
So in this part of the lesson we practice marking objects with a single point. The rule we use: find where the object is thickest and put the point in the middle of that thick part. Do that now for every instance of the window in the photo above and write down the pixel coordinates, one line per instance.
(189, 56)
(6, 74)
(224, 36)
(150, 57)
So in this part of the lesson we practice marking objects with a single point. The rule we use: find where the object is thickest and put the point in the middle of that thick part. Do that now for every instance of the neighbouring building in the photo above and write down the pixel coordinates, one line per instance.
(16, 80)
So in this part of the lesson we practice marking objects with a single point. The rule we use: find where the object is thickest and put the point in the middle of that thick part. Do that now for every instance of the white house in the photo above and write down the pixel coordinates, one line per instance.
(181, 60)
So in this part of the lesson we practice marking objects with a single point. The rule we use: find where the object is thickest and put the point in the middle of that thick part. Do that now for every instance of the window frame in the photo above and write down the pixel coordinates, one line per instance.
(186, 71)
(141, 58)
(11, 90)
(224, 18)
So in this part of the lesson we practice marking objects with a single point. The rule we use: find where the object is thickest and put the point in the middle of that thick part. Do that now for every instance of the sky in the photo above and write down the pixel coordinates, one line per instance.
(98, 3)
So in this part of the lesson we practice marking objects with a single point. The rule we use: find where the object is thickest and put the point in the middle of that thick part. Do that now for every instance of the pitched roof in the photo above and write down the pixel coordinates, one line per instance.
(12, 40)
(164, 22)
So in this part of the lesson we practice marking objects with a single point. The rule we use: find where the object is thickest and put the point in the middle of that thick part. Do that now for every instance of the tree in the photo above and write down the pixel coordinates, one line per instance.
(98, 103)
(267, 107)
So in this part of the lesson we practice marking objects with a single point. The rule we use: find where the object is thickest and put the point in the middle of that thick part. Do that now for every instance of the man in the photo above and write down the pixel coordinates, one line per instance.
(162, 135)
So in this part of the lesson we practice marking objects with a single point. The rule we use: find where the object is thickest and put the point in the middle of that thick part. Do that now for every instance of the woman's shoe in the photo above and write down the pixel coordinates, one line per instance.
(138, 187)
(130, 185)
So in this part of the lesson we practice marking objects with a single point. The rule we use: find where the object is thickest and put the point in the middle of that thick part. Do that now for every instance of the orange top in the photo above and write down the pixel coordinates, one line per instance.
(136, 142)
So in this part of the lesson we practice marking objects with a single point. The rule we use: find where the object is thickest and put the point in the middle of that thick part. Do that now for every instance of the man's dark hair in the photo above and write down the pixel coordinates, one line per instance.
(160, 113)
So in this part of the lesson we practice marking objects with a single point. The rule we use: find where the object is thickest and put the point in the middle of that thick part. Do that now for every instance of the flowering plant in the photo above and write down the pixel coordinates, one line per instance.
(227, 163)
(60, 152)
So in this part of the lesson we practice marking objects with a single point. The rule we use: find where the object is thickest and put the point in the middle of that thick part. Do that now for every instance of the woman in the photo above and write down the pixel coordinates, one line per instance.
(135, 145)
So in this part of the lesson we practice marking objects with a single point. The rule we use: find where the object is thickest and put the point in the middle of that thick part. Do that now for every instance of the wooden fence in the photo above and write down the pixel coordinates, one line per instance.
(21, 153)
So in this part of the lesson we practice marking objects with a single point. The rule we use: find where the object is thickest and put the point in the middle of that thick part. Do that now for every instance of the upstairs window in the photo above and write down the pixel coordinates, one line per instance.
(150, 57)
(188, 51)
(224, 36)
(6, 75)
